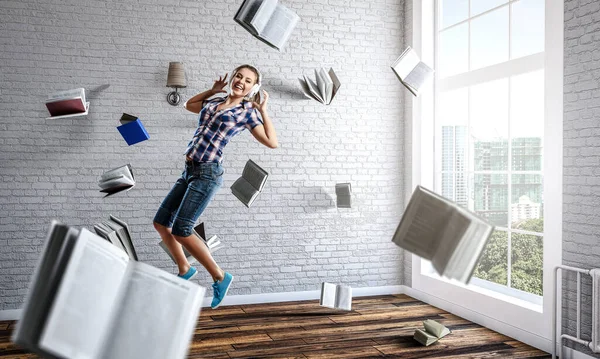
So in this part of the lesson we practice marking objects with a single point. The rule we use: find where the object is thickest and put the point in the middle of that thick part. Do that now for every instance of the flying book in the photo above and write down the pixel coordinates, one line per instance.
(433, 332)
(324, 88)
(132, 129)
(117, 232)
(441, 231)
(411, 71)
(343, 192)
(268, 21)
(117, 180)
(213, 243)
(87, 299)
(336, 296)
(247, 187)
(68, 103)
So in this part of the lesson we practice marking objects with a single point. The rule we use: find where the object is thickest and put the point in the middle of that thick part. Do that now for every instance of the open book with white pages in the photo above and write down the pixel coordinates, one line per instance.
(268, 21)
(413, 73)
(441, 231)
(336, 296)
(87, 299)
(324, 88)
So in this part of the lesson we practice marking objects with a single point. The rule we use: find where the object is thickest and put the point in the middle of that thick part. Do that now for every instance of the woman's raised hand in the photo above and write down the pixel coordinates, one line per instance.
(262, 106)
(220, 84)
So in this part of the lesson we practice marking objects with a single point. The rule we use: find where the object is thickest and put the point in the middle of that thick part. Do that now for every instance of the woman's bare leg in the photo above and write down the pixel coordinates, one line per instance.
(202, 254)
(174, 247)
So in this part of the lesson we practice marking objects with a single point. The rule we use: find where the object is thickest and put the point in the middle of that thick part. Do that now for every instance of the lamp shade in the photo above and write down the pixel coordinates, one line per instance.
(176, 76)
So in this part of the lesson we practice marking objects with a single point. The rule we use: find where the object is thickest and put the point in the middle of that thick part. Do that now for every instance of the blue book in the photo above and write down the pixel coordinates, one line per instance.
(133, 131)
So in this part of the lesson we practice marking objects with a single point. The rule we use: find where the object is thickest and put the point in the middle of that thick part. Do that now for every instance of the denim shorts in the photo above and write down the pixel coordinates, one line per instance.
(190, 195)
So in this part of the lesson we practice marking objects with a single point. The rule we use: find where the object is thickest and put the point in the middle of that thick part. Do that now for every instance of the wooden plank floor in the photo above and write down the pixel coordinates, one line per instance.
(377, 327)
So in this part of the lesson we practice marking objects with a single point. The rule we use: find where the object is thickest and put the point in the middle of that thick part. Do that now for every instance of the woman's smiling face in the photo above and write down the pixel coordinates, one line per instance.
(242, 82)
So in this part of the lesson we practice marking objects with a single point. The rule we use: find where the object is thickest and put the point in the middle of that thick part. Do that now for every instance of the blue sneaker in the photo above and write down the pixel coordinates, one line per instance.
(191, 273)
(220, 290)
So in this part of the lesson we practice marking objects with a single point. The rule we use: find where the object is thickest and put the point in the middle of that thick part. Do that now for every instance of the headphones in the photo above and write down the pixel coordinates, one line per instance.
(254, 90)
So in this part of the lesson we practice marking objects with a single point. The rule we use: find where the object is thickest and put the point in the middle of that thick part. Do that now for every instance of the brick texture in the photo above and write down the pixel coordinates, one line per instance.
(581, 217)
(293, 238)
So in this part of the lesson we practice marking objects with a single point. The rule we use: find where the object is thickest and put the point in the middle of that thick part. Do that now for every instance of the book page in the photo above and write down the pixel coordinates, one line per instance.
(343, 298)
(314, 90)
(328, 85)
(450, 237)
(306, 89)
(336, 83)
(263, 14)
(405, 63)
(321, 83)
(255, 175)
(420, 227)
(78, 319)
(117, 173)
(68, 94)
(280, 26)
(155, 317)
(418, 77)
(466, 257)
(328, 291)
(244, 191)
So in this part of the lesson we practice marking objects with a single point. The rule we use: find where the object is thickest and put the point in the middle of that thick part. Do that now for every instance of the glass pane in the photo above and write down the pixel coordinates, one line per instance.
(489, 125)
(454, 56)
(489, 39)
(527, 28)
(451, 123)
(453, 11)
(527, 120)
(494, 261)
(490, 198)
(479, 6)
(527, 260)
(527, 202)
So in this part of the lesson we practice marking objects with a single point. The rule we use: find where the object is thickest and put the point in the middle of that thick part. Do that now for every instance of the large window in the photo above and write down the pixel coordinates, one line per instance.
(489, 131)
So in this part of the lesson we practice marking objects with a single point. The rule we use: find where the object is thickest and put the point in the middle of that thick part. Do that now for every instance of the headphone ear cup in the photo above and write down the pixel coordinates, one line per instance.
(254, 90)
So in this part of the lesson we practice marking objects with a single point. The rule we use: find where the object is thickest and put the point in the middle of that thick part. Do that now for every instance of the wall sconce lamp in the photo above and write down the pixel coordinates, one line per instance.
(175, 79)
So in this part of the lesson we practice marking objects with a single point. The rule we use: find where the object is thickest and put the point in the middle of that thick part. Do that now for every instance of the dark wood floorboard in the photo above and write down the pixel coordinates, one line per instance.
(377, 327)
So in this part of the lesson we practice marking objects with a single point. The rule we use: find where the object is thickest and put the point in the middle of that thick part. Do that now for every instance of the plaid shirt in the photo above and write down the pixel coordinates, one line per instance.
(216, 128)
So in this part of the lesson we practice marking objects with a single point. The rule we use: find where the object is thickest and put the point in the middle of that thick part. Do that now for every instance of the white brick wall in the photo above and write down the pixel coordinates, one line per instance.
(293, 238)
(581, 226)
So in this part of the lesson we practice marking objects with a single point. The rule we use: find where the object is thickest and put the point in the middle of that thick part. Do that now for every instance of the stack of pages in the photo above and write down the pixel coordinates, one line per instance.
(87, 299)
(439, 230)
(68, 103)
(433, 332)
(247, 187)
(117, 180)
(324, 89)
(336, 296)
(411, 71)
(268, 21)
(117, 232)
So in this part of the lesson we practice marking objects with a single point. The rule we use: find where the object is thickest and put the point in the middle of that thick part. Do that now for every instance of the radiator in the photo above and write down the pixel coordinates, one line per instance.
(594, 344)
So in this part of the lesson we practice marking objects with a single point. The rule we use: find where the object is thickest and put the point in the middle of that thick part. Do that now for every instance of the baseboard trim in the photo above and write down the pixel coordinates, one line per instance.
(10, 314)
